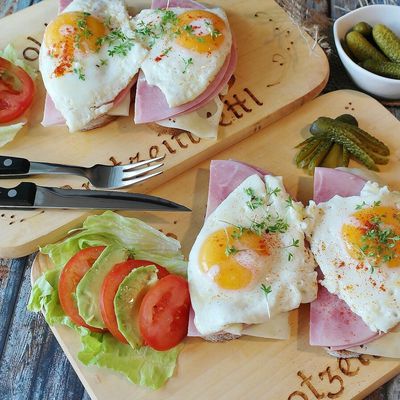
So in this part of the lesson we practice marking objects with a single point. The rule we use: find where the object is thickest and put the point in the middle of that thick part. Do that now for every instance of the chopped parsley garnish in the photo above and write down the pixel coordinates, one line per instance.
(289, 202)
(231, 250)
(360, 206)
(279, 225)
(266, 289)
(274, 192)
(169, 17)
(118, 42)
(376, 203)
(187, 63)
(79, 72)
(238, 232)
(295, 243)
(189, 29)
(121, 49)
(213, 32)
(83, 30)
(379, 241)
(255, 201)
(103, 62)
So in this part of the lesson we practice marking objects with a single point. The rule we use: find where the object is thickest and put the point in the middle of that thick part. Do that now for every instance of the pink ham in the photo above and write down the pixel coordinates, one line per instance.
(51, 116)
(329, 182)
(332, 323)
(225, 176)
(151, 104)
(63, 4)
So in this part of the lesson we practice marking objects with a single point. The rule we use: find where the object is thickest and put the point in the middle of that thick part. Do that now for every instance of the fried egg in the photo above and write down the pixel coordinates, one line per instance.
(187, 48)
(88, 56)
(249, 262)
(356, 242)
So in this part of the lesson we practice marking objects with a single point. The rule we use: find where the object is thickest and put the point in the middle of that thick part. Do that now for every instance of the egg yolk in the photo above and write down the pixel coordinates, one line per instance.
(375, 234)
(70, 32)
(219, 250)
(200, 31)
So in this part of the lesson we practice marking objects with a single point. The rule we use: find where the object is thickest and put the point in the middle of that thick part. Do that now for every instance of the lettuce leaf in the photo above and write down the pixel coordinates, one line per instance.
(11, 54)
(143, 366)
(110, 228)
(8, 133)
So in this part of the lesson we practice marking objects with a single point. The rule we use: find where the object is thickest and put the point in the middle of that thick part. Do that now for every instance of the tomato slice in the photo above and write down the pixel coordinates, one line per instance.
(16, 91)
(110, 287)
(164, 313)
(70, 276)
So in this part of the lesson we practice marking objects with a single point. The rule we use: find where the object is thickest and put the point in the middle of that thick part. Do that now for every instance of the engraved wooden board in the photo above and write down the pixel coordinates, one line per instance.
(251, 368)
(278, 70)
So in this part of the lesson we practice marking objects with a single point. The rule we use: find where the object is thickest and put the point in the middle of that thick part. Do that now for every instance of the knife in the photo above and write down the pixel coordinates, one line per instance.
(28, 195)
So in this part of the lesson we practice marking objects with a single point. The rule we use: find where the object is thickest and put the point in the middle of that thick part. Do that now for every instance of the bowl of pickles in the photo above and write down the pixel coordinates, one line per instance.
(368, 44)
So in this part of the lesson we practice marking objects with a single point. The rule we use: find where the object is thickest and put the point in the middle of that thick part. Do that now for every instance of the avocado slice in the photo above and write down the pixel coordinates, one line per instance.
(89, 288)
(128, 299)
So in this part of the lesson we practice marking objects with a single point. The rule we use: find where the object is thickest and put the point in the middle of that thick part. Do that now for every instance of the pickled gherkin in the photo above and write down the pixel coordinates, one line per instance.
(362, 48)
(364, 28)
(387, 41)
(383, 68)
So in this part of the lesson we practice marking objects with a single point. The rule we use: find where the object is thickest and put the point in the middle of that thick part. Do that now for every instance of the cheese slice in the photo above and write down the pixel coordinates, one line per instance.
(122, 109)
(387, 345)
(203, 122)
(276, 328)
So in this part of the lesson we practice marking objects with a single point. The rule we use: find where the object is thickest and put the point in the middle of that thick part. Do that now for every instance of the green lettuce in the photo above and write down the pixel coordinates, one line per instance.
(11, 54)
(8, 133)
(143, 366)
(110, 228)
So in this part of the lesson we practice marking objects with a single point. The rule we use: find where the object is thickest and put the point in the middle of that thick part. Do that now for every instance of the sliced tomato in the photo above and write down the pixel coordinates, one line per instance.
(110, 287)
(70, 276)
(164, 313)
(16, 91)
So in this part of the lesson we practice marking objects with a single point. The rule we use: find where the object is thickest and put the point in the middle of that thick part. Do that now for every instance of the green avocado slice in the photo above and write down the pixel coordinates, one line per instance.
(127, 302)
(89, 288)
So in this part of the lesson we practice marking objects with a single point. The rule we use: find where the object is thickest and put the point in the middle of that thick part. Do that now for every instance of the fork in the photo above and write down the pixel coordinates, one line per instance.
(100, 176)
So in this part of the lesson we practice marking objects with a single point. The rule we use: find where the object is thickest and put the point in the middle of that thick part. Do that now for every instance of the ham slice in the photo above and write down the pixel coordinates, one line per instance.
(225, 176)
(151, 104)
(332, 323)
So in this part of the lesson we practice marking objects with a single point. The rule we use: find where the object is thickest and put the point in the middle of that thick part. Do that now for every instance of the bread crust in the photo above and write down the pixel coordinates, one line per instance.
(220, 337)
(163, 130)
(100, 121)
(342, 353)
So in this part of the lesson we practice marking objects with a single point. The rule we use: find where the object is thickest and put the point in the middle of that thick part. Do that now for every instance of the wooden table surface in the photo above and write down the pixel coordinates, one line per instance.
(32, 364)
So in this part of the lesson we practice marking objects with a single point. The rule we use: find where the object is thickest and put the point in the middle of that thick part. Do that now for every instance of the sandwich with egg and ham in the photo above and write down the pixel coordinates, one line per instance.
(250, 264)
(192, 57)
(354, 233)
(89, 61)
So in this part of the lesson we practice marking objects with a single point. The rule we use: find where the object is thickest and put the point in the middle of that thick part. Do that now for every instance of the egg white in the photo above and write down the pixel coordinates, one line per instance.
(178, 82)
(360, 288)
(81, 101)
(292, 282)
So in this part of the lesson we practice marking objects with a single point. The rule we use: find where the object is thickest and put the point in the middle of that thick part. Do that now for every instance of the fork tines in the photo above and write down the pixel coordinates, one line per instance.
(134, 171)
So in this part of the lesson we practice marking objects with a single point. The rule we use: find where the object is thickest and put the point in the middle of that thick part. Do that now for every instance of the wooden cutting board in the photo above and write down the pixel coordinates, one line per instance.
(279, 68)
(249, 367)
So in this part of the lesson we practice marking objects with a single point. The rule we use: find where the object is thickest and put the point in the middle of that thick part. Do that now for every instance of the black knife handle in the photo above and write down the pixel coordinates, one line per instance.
(13, 165)
(22, 195)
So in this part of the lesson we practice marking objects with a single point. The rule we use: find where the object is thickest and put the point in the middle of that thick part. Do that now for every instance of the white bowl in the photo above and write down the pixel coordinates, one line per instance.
(377, 14)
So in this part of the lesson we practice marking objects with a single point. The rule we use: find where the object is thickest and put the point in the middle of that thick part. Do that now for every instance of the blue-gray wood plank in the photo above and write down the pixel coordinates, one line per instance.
(32, 364)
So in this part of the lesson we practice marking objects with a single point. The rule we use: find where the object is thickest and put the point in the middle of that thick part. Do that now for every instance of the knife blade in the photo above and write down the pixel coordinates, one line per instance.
(28, 195)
